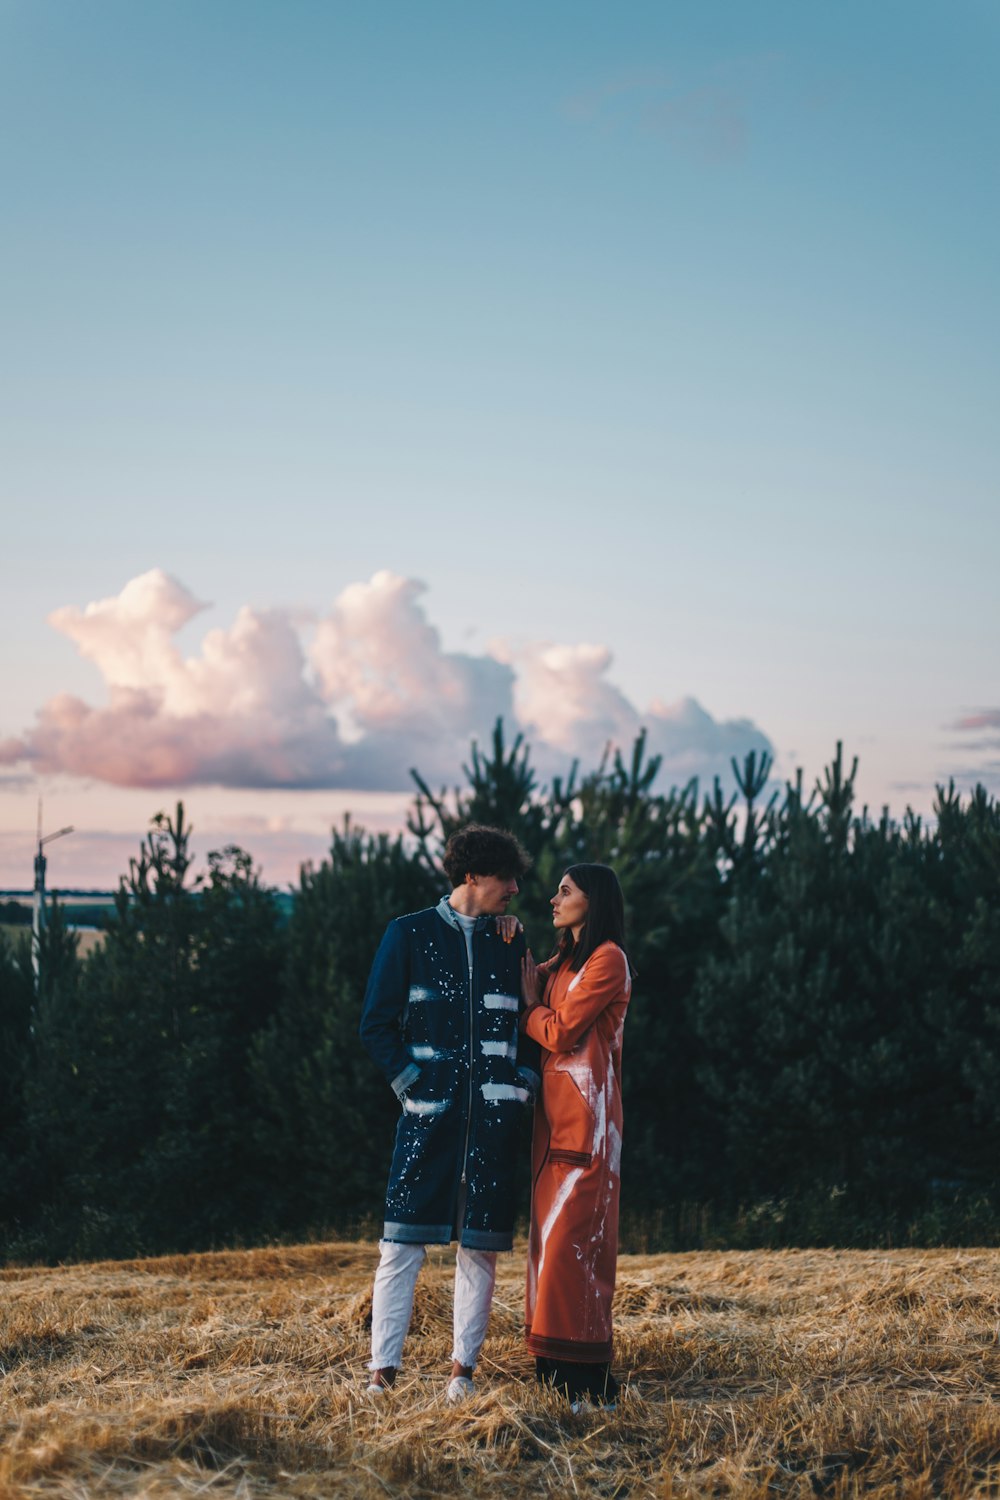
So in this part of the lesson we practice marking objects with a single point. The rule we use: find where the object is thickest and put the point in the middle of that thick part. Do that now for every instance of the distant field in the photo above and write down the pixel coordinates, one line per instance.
(795, 1373)
(90, 938)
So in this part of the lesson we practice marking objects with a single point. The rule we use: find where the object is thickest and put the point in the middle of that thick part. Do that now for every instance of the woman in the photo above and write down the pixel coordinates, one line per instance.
(576, 1152)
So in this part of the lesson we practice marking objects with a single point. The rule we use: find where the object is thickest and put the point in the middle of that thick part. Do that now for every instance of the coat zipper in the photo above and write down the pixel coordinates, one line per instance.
(472, 1040)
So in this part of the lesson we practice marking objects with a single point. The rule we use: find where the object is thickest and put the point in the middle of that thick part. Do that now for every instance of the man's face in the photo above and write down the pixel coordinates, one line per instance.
(490, 894)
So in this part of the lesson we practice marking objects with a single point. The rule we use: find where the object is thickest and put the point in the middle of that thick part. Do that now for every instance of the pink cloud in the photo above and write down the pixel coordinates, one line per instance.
(986, 718)
(373, 694)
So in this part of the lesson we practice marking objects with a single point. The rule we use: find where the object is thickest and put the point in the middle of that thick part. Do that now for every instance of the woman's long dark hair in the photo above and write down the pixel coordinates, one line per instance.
(605, 921)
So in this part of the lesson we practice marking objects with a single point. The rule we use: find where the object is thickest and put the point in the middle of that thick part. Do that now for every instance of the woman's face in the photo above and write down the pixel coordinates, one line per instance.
(569, 907)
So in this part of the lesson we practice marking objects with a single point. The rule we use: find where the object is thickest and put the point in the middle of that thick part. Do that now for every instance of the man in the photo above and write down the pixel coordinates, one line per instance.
(440, 1019)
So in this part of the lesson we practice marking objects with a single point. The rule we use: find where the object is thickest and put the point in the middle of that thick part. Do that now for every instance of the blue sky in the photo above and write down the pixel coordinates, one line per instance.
(670, 329)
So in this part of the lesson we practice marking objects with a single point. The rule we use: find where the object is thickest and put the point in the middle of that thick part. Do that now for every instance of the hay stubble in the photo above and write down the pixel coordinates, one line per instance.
(241, 1374)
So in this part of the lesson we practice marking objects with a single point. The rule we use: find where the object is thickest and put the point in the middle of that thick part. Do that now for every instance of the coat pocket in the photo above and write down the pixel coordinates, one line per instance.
(571, 1158)
(569, 1116)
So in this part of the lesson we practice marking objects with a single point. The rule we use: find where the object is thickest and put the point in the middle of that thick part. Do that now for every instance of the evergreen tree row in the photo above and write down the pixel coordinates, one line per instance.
(812, 1053)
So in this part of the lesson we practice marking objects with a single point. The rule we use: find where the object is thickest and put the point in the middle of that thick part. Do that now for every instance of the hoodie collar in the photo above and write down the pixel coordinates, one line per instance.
(446, 911)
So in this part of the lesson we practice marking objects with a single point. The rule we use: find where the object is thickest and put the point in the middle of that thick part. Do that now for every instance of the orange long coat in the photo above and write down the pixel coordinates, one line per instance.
(576, 1155)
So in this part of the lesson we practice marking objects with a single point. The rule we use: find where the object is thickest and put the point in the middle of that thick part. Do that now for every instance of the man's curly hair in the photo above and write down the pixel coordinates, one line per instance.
(478, 849)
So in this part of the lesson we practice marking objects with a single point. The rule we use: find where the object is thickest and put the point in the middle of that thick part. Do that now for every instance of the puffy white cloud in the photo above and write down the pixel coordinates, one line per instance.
(562, 700)
(565, 703)
(130, 637)
(692, 743)
(372, 695)
(380, 666)
(240, 714)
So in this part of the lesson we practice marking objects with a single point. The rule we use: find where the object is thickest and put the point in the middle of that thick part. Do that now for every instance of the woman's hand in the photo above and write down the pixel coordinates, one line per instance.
(508, 928)
(531, 981)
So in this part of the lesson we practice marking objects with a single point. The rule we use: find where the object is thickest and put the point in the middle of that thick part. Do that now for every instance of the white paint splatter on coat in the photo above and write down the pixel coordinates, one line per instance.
(614, 1148)
(500, 1002)
(499, 1049)
(579, 1070)
(426, 1106)
(500, 1093)
(558, 1203)
(600, 1121)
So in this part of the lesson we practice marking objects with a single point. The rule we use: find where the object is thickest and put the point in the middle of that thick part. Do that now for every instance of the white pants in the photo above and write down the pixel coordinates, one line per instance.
(392, 1302)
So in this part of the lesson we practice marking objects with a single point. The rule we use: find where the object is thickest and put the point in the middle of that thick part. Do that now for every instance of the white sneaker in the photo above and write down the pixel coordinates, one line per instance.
(460, 1388)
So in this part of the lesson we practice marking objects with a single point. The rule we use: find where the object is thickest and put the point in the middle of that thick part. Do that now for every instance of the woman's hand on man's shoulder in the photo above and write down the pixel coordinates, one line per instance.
(508, 927)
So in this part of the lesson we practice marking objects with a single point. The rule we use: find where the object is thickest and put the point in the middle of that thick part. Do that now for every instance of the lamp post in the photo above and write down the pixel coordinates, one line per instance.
(38, 909)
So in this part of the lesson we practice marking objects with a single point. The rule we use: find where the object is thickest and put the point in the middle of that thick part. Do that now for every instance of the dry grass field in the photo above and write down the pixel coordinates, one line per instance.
(89, 937)
(241, 1374)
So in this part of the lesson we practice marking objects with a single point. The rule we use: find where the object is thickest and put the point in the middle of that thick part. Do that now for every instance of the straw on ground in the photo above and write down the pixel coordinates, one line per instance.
(241, 1374)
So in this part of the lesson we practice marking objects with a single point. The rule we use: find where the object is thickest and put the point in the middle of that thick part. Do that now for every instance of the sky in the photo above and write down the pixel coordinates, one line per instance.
(369, 372)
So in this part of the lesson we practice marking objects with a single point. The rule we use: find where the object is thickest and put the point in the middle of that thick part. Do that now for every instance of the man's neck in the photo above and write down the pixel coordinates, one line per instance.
(463, 900)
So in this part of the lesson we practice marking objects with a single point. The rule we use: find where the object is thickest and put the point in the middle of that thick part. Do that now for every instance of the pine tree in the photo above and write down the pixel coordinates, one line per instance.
(139, 1102)
(17, 1186)
(325, 1115)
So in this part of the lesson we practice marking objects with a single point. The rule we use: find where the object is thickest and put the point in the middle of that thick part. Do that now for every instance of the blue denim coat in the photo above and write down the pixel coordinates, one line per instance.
(447, 1040)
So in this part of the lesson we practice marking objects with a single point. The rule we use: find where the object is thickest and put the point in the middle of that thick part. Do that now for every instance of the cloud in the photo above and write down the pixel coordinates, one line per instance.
(372, 694)
(976, 752)
(978, 773)
(130, 637)
(980, 731)
(708, 117)
(380, 666)
(983, 718)
(14, 781)
(240, 714)
(711, 121)
(565, 704)
(692, 743)
(562, 701)
(640, 83)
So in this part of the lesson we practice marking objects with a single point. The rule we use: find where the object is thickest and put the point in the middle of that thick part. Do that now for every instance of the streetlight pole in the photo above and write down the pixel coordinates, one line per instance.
(38, 909)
